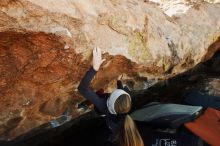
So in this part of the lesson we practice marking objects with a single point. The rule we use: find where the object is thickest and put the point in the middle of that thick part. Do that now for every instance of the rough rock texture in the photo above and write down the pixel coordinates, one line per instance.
(46, 45)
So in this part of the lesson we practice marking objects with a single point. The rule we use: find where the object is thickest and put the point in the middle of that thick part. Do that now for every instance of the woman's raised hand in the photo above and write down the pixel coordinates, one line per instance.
(97, 58)
(120, 77)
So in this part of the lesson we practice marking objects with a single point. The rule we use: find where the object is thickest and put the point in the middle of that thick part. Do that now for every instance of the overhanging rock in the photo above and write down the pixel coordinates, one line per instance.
(46, 45)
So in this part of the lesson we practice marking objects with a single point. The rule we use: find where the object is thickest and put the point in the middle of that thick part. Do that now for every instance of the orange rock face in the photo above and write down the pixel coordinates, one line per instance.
(39, 77)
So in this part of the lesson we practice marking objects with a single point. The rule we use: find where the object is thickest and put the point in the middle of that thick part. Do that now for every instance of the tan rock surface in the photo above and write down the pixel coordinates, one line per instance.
(45, 48)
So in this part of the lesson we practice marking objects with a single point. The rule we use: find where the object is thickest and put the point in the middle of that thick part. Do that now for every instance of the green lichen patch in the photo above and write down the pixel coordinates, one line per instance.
(165, 63)
(138, 47)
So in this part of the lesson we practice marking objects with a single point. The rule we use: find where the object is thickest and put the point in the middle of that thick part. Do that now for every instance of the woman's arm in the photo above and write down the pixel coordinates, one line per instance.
(87, 93)
(119, 82)
(121, 86)
(83, 87)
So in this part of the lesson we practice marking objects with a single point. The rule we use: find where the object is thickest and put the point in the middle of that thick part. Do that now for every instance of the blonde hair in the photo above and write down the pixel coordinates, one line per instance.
(128, 134)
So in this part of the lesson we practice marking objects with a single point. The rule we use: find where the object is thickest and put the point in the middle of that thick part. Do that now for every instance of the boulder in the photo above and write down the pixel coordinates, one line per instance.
(46, 48)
